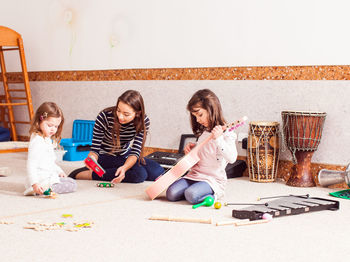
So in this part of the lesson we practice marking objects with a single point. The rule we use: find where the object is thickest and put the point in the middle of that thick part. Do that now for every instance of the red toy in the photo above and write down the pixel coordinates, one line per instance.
(92, 163)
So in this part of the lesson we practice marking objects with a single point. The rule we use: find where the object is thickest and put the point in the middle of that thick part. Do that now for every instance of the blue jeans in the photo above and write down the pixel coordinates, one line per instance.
(193, 191)
(136, 174)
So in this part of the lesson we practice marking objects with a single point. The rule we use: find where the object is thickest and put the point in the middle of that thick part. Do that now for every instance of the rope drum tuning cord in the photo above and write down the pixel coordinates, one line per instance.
(311, 124)
(284, 141)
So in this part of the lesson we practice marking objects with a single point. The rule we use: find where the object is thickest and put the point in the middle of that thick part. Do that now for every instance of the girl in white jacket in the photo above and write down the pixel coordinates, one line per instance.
(208, 176)
(42, 171)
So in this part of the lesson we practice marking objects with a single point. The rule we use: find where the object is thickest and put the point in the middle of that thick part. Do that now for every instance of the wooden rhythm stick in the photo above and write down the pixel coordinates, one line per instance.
(188, 161)
(247, 223)
(181, 219)
(228, 223)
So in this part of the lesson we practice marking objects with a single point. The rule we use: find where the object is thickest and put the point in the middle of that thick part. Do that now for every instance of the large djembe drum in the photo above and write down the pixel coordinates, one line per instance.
(263, 151)
(302, 133)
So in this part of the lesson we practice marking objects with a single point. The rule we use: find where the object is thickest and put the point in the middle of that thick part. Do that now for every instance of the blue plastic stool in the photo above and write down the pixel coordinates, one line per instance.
(78, 146)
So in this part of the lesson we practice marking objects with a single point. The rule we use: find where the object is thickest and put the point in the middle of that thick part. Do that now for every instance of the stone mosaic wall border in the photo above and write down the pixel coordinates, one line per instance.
(210, 73)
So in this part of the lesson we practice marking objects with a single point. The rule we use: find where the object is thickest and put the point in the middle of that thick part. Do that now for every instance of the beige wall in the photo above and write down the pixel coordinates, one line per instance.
(95, 35)
(166, 106)
(119, 34)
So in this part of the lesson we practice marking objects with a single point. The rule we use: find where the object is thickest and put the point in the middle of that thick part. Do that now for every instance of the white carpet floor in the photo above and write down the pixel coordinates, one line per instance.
(123, 232)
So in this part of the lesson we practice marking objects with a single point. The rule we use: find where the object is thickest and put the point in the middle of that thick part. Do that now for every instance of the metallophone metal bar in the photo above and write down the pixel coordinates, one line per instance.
(291, 205)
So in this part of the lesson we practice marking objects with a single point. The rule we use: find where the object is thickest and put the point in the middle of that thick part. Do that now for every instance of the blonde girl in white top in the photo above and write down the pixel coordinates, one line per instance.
(42, 171)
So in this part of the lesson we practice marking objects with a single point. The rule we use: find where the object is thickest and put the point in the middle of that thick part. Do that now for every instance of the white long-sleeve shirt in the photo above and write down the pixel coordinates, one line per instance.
(214, 157)
(41, 166)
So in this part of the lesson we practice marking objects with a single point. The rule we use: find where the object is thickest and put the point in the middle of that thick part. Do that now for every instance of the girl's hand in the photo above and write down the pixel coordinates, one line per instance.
(94, 156)
(217, 131)
(189, 147)
(120, 175)
(38, 189)
(62, 175)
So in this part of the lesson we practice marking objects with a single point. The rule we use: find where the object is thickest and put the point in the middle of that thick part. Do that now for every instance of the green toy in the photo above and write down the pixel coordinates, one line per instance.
(341, 194)
(208, 201)
(105, 184)
(48, 192)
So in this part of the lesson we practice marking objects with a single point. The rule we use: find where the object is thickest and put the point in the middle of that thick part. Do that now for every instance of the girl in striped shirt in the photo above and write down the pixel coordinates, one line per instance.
(118, 140)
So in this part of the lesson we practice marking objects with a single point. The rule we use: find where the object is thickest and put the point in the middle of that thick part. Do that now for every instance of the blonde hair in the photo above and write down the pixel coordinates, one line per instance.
(205, 99)
(46, 110)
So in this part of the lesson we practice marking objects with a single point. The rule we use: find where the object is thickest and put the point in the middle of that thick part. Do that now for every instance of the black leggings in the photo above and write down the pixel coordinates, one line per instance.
(136, 174)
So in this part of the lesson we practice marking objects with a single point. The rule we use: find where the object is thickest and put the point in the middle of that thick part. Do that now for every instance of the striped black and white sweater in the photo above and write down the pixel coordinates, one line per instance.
(102, 142)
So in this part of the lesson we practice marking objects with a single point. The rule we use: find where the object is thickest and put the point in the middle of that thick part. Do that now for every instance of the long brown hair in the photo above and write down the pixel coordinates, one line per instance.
(133, 99)
(46, 110)
(207, 100)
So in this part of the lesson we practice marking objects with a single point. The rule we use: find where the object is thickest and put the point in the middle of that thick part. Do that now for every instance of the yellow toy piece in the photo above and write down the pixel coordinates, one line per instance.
(217, 205)
(67, 215)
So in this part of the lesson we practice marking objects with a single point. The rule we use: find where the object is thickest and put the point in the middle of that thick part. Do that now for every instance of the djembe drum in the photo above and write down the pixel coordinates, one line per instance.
(302, 134)
(263, 151)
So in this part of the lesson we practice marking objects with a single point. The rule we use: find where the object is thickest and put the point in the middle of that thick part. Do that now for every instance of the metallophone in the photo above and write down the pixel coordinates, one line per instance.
(284, 206)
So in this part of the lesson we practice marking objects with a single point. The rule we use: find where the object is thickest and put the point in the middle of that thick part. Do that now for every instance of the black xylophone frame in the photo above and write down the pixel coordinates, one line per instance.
(284, 206)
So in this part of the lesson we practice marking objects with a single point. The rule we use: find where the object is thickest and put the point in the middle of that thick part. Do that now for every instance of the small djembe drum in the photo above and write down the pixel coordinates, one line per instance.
(302, 134)
(263, 151)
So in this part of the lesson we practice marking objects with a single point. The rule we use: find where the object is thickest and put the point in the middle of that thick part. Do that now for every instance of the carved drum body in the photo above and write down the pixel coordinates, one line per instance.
(302, 134)
(263, 151)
